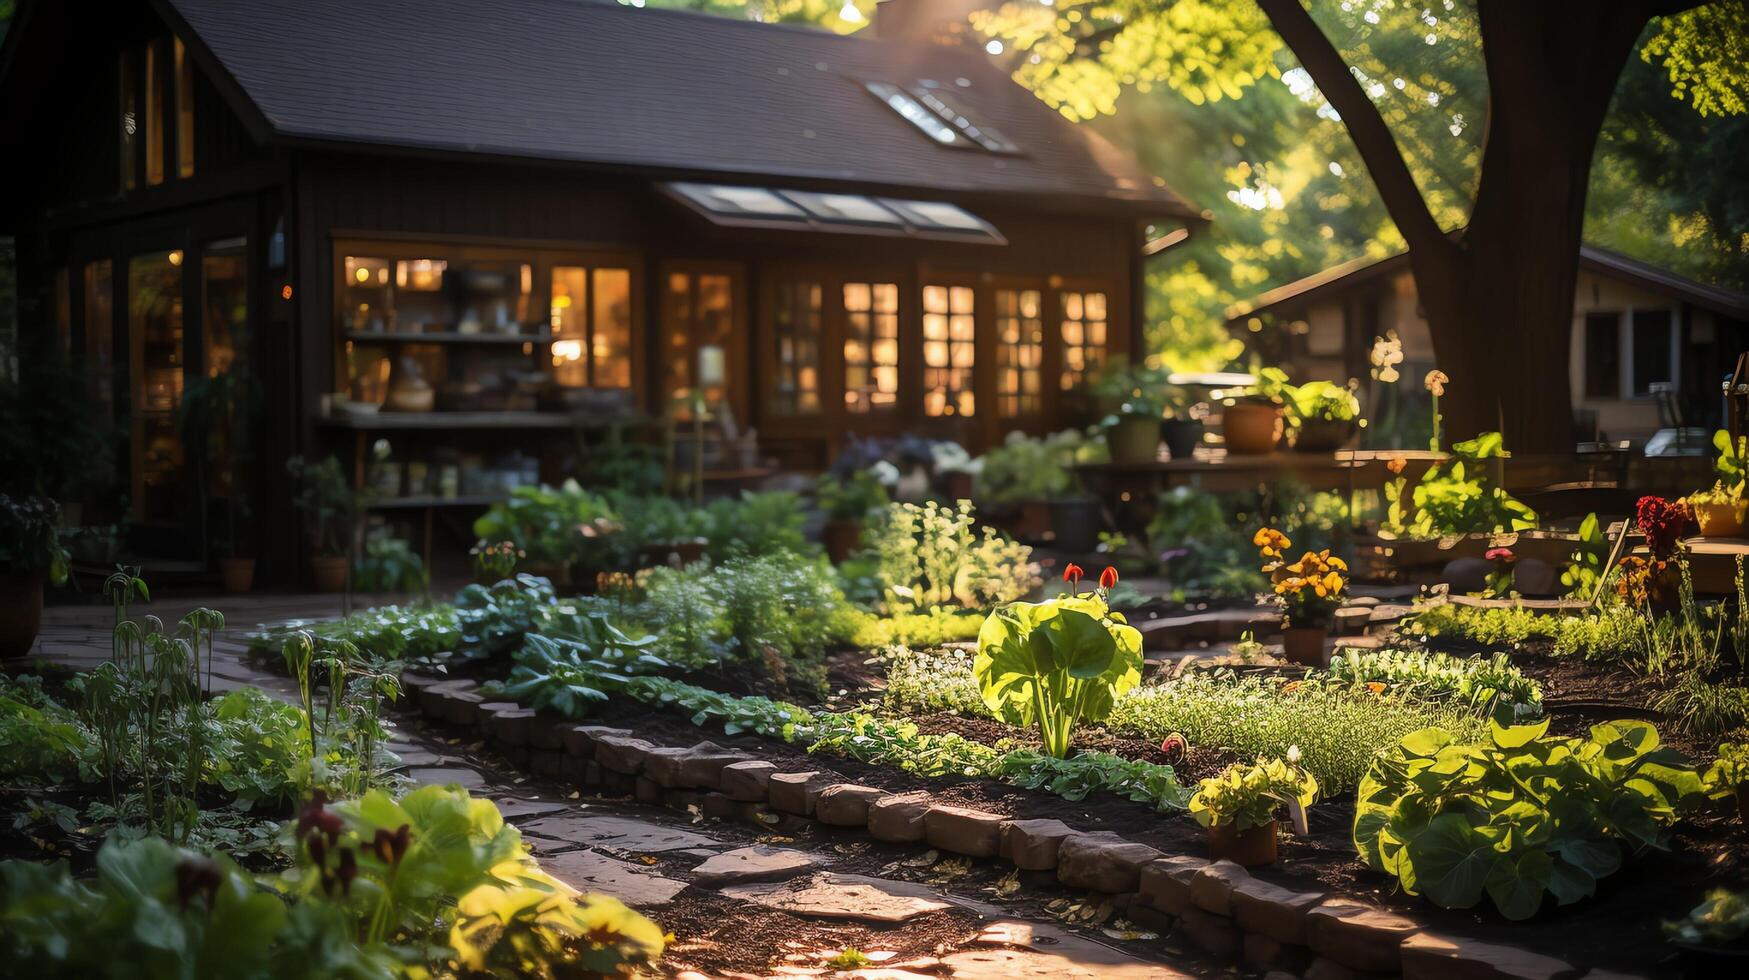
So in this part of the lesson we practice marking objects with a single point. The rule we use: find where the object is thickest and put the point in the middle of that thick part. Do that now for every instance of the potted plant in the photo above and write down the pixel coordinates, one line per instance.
(332, 510)
(1023, 475)
(1729, 776)
(1325, 415)
(1134, 427)
(847, 504)
(1181, 430)
(1252, 422)
(1718, 512)
(955, 470)
(1239, 807)
(1654, 582)
(1309, 592)
(30, 551)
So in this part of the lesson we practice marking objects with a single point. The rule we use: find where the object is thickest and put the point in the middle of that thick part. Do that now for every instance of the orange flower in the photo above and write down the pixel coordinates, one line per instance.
(1377, 687)
(1072, 573)
(1108, 578)
(1396, 465)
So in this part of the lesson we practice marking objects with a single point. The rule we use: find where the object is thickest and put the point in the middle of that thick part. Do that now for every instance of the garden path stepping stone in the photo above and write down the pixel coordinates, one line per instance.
(1036, 949)
(842, 896)
(466, 778)
(617, 834)
(516, 808)
(744, 865)
(591, 872)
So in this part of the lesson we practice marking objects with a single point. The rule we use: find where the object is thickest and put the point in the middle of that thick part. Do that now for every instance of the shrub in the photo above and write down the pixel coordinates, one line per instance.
(1027, 468)
(389, 565)
(552, 525)
(1519, 815)
(1336, 728)
(757, 525)
(930, 555)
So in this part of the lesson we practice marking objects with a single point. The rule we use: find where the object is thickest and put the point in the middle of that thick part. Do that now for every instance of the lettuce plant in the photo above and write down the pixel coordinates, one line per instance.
(1247, 796)
(1519, 816)
(1056, 663)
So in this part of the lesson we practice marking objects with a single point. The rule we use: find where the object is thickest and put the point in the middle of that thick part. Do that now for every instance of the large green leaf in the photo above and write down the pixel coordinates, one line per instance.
(1517, 887)
(1448, 862)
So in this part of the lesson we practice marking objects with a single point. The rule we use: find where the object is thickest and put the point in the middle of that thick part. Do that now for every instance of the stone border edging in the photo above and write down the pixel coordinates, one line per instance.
(1216, 905)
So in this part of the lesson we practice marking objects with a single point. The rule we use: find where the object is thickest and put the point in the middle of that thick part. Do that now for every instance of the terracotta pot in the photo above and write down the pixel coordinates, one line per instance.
(1182, 437)
(1305, 645)
(21, 612)
(1251, 428)
(238, 573)
(1034, 520)
(328, 572)
(1246, 848)
(1133, 440)
(1323, 435)
(1718, 520)
(842, 537)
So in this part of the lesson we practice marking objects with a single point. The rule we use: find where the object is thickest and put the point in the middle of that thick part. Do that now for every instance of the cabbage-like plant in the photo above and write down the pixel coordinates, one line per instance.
(1519, 816)
(1056, 663)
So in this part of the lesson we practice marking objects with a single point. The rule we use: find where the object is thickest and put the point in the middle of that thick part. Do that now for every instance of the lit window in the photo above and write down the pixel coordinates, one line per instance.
(1084, 330)
(184, 112)
(590, 315)
(795, 332)
(871, 346)
(949, 350)
(154, 114)
(941, 117)
(1020, 340)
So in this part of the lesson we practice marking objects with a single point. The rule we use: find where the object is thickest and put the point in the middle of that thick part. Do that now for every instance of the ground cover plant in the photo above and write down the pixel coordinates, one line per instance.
(1519, 815)
(1482, 682)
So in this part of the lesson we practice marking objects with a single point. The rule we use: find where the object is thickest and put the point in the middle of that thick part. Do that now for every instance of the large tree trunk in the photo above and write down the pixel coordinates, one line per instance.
(1498, 295)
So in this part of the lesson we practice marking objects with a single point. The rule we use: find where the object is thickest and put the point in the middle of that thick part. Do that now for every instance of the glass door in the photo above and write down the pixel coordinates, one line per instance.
(702, 338)
(155, 382)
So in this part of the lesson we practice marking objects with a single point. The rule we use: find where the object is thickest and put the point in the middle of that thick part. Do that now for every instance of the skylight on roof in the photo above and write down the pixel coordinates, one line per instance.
(733, 205)
(941, 117)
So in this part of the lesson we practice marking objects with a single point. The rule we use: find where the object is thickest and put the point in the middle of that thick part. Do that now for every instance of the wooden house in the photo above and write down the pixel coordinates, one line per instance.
(517, 222)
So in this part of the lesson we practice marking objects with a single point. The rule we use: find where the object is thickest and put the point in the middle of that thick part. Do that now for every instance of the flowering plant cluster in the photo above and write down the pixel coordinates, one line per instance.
(494, 563)
(1500, 575)
(1246, 796)
(1310, 590)
(1662, 522)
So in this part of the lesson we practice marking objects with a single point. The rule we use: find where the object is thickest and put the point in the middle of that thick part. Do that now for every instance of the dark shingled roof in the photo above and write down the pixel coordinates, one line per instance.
(663, 91)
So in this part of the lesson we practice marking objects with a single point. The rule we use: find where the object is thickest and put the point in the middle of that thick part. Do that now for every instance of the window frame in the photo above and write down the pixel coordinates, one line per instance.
(1628, 387)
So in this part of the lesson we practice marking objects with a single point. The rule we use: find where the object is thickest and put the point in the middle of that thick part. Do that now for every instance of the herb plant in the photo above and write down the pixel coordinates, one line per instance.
(1086, 773)
(929, 555)
(1458, 496)
(1247, 796)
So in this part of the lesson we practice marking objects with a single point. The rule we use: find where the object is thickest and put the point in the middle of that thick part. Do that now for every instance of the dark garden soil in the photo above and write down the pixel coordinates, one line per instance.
(738, 936)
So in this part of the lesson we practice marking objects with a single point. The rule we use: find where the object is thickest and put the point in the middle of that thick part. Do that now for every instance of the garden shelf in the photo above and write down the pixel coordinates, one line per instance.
(445, 337)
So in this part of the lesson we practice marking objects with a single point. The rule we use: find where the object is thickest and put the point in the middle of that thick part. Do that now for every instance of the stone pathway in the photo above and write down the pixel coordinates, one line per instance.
(648, 856)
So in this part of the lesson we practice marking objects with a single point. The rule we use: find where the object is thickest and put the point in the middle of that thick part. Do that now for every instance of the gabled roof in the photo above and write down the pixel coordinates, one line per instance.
(1601, 261)
(675, 93)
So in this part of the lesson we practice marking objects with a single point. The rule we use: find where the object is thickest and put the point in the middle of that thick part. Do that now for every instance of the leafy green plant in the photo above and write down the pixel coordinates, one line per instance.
(44, 740)
(328, 503)
(422, 634)
(1056, 663)
(552, 525)
(853, 498)
(1730, 769)
(1244, 796)
(878, 741)
(569, 676)
(930, 628)
(1324, 401)
(29, 543)
(1458, 496)
(1086, 773)
(493, 619)
(389, 565)
(762, 716)
(1720, 919)
(929, 555)
(923, 681)
(1478, 682)
(1613, 632)
(1027, 468)
(757, 524)
(1589, 561)
(1732, 464)
(1520, 815)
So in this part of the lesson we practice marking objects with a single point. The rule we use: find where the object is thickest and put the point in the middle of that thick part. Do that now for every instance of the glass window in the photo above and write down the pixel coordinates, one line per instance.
(1084, 335)
(369, 302)
(154, 114)
(941, 117)
(740, 202)
(949, 350)
(155, 333)
(591, 320)
(699, 332)
(1602, 355)
(939, 216)
(1652, 350)
(129, 132)
(224, 300)
(1020, 340)
(99, 331)
(845, 208)
(871, 346)
(795, 334)
(184, 112)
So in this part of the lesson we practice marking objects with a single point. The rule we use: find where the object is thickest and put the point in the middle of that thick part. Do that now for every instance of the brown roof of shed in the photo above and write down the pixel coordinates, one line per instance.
(670, 92)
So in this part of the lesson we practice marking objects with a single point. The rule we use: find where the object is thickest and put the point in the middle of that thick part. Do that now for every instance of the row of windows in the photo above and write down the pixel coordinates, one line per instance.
(949, 346)
(1625, 354)
(147, 75)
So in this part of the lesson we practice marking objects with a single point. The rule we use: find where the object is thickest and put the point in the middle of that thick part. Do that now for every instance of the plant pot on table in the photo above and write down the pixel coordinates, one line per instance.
(1718, 520)
(842, 536)
(328, 572)
(1077, 522)
(1247, 848)
(1182, 437)
(1251, 427)
(1133, 440)
(21, 612)
(1305, 645)
(239, 574)
(1324, 435)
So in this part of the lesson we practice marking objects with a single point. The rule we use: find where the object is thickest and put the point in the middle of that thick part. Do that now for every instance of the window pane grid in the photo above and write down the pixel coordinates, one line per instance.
(1084, 335)
(871, 346)
(1019, 351)
(949, 350)
(590, 316)
(795, 330)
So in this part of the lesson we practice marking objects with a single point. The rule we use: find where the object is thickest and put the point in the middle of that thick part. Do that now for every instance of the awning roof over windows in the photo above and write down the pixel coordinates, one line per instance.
(736, 206)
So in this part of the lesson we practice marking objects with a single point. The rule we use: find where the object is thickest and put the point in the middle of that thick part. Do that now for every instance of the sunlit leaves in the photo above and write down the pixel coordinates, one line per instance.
(1705, 52)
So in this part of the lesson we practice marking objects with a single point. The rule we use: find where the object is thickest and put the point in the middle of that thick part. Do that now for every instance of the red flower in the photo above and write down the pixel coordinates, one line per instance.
(1662, 522)
(1072, 573)
(1501, 555)
(389, 847)
(1108, 578)
(348, 870)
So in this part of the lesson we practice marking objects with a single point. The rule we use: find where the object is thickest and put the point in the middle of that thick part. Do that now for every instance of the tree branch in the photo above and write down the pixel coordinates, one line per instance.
(1378, 150)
